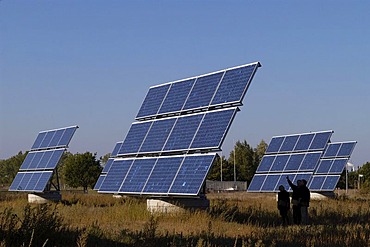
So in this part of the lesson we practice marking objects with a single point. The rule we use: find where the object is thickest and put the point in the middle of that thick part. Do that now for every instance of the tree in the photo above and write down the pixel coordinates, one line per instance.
(215, 172)
(104, 159)
(244, 161)
(81, 170)
(9, 168)
(365, 172)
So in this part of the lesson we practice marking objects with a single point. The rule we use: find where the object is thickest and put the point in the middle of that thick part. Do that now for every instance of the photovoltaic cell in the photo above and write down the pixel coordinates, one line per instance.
(266, 163)
(320, 140)
(294, 162)
(115, 176)
(134, 138)
(153, 101)
(275, 145)
(257, 182)
(304, 142)
(203, 91)
(30, 181)
(192, 174)
(316, 183)
(54, 138)
(162, 175)
(310, 161)
(99, 182)
(116, 149)
(157, 135)
(137, 176)
(346, 149)
(183, 132)
(330, 183)
(270, 182)
(107, 165)
(213, 129)
(324, 166)
(279, 163)
(176, 96)
(338, 166)
(289, 143)
(234, 85)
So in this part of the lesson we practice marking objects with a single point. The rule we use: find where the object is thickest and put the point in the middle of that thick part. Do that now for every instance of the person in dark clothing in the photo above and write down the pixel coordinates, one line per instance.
(304, 202)
(295, 200)
(283, 204)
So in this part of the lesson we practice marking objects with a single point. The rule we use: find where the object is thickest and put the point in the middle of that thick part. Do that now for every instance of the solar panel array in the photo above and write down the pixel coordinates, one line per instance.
(40, 163)
(308, 156)
(170, 148)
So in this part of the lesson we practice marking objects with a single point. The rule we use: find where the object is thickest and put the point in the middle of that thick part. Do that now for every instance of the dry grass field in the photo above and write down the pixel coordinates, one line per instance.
(234, 219)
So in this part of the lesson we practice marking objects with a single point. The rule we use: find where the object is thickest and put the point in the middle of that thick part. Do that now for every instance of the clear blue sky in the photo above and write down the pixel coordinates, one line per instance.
(91, 63)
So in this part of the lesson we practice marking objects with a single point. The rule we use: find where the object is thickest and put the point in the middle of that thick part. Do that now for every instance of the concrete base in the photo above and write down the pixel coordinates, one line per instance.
(322, 195)
(44, 198)
(173, 205)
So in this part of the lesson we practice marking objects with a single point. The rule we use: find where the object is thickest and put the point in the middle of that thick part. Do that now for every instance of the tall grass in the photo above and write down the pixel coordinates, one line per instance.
(232, 220)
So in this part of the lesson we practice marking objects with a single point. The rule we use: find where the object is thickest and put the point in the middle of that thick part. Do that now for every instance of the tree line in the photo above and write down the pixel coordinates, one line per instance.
(82, 170)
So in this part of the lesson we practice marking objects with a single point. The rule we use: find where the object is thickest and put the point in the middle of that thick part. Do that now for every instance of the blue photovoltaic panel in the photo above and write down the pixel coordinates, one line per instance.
(192, 174)
(294, 162)
(346, 149)
(99, 182)
(116, 149)
(289, 143)
(162, 175)
(183, 132)
(339, 149)
(316, 183)
(115, 176)
(310, 161)
(320, 140)
(338, 166)
(42, 160)
(157, 135)
(257, 182)
(270, 182)
(31, 181)
(134, 138)
(279, 163)
(275, 144)
(203, 91)
(332, 150)
(137, 176)
(330, 183)
(324, 166)
(266, 163)
(54, 138)
(304, 142)
(107, 165)
(176, 96)
(153, 101)
(234, 85)
(213, 129)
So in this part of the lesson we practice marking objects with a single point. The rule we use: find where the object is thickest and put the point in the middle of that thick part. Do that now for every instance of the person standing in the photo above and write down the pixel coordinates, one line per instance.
(304, 202)
(295, 200)
(283, 204)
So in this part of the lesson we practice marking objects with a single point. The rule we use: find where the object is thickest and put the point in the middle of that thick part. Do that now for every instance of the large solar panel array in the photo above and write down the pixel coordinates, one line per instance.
(170, 148)
(308, 156)
(40, 163)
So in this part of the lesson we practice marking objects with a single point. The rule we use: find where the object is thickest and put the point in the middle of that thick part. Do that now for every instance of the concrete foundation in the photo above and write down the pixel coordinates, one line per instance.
(44, 198)
(173, 205)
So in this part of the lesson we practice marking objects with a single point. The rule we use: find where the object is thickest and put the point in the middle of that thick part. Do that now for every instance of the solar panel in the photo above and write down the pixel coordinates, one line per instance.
(190, 116)
(153, 101)
(234, 84)
(163, 174)
(192, 173)
(40, 163)
(42, 160)
(176, 96)
(31, 181)
(213, 129)
(54, 138)
(99, 182)
(307, 156)
(222, 88)
(339, 149)
(116, 149)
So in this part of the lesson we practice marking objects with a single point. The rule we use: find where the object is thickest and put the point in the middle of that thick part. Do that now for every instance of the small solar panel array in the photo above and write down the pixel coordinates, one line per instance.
(40, 163)
(308, 156)
(171, 146)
